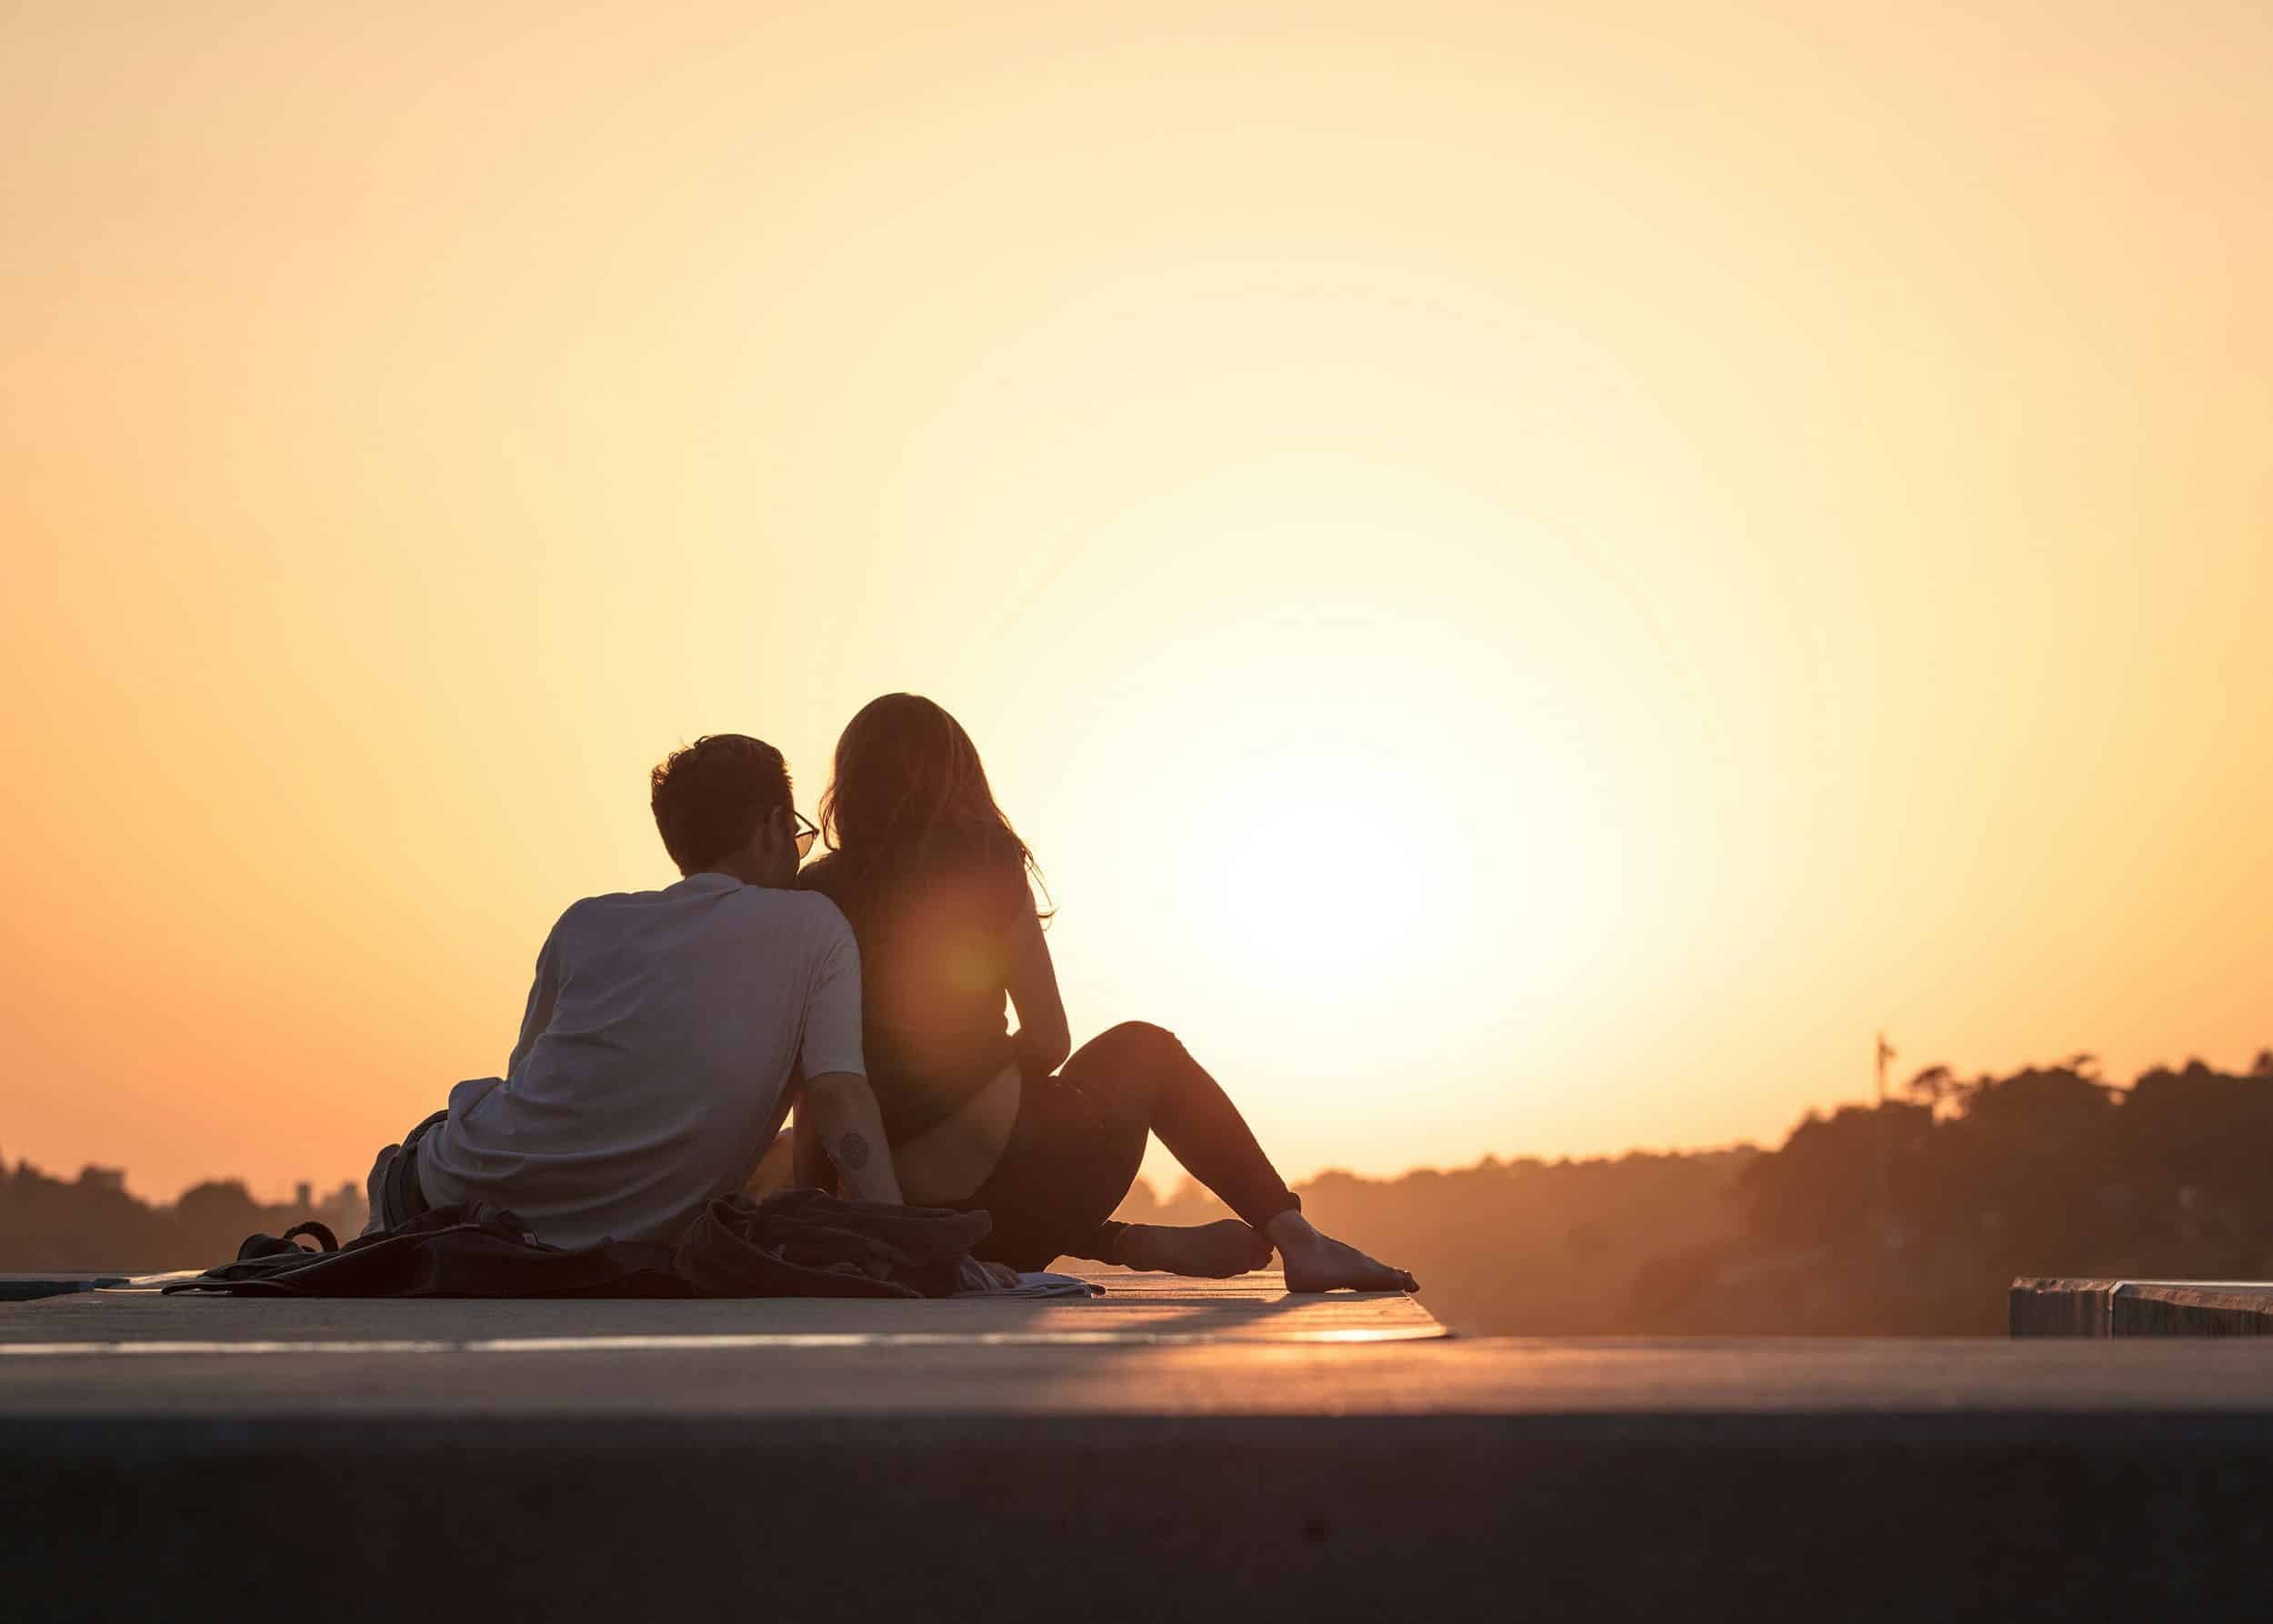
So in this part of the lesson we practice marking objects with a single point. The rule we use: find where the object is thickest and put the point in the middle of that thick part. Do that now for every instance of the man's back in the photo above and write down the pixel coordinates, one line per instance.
(660, 1036)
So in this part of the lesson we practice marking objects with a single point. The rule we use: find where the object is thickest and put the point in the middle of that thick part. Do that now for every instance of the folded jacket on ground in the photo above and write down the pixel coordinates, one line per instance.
(802, 1243)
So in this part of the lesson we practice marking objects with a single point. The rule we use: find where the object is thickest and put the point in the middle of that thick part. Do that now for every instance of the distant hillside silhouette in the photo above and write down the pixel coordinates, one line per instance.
(1906, 1221)
(1524, 1247)
(92, 1223)
(2051, 1170)
(1909, 1219)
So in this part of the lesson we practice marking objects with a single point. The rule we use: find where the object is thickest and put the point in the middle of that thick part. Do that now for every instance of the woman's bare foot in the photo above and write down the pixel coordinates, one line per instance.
(1217, 1251)
(1315, 1262)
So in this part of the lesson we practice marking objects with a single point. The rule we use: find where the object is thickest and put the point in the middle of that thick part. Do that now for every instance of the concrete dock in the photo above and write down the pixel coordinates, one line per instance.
(1173, 1450)
(2073, 1307)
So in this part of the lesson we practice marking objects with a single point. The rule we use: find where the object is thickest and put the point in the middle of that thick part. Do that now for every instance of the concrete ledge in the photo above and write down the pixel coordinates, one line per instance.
(918, 1519)
(1186, 1453)
(2062, 1308)
(2059, 1307)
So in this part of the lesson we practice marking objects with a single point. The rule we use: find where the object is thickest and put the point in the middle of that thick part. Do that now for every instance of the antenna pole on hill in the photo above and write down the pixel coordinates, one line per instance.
(1884, 1053)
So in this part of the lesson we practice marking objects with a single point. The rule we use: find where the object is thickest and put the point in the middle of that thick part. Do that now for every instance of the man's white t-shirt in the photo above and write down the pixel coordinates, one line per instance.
(655, 1060)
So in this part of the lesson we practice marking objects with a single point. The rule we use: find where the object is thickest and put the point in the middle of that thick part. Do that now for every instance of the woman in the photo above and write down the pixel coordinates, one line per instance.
(934, 879)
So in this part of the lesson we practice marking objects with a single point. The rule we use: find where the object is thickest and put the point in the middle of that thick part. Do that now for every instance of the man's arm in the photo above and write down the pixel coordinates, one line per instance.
(837, 1101)
(809, 1163)
(850, 1128)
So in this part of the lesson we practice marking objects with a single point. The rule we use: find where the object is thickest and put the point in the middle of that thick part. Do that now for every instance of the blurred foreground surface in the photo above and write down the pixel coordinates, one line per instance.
(1175, 1450)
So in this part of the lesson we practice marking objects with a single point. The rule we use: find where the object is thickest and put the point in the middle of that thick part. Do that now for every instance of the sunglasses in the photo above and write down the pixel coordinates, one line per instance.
(807, 833)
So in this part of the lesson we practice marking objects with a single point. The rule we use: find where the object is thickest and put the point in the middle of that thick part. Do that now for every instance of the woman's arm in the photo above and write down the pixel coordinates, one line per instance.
(1042, 1040)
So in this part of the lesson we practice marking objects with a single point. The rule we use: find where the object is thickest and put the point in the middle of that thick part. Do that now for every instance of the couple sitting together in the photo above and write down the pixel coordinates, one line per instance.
(669, 1033)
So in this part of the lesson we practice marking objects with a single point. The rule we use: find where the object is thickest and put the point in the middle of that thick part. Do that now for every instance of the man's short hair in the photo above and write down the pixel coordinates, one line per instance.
(710, 798)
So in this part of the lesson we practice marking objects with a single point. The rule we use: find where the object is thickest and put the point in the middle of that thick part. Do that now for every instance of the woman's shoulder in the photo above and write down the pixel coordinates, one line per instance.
(978, 881)
(994, 878)
(823, 875)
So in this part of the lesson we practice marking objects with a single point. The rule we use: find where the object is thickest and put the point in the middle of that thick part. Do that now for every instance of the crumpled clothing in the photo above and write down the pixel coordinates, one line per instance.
(804, 1243)
(1040, 1283)
(466, 1249)
(801, 1243)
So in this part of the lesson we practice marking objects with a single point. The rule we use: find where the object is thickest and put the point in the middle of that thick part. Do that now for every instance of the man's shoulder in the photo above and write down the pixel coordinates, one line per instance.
(607, 914)
(815, 910)
(588, 909)
(779, 917)
(807, 915)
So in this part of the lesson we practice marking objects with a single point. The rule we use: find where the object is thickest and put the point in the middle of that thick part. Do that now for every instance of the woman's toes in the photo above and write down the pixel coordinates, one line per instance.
(1329, 1264)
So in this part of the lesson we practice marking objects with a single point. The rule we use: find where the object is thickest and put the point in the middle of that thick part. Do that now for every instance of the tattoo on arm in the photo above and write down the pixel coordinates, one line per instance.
(852, 1153)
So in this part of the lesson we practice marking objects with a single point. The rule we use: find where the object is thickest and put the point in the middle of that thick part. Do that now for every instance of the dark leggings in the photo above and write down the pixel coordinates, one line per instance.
(1079, 1139)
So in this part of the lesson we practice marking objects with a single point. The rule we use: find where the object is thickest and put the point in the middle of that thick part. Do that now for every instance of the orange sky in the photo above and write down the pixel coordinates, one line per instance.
(1533, 575)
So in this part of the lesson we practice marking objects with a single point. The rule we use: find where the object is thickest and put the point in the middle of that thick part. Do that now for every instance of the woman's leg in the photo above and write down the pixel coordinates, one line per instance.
(1070, 1160)
(1075, 1149)
(1079, 1139)
(1141, 1072)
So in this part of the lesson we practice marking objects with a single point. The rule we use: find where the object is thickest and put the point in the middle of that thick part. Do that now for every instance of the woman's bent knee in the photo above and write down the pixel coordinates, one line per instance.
(1139, 1035)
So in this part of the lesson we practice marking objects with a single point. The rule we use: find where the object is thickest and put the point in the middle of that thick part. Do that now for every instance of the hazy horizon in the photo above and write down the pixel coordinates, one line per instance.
(1166, 1180)
(1532, 576)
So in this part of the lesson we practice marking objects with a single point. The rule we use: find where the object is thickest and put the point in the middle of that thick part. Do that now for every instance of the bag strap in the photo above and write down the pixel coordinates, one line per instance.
(325, 1240)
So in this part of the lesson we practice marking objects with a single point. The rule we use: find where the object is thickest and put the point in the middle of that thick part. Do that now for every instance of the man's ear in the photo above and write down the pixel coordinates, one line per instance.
(778, 837)
(759, 846)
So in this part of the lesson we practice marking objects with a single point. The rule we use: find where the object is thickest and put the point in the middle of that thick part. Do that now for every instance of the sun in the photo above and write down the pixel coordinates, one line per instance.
(1323, 888)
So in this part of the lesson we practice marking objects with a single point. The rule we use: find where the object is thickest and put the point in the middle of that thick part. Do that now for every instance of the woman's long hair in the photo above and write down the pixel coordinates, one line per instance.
(908, 794)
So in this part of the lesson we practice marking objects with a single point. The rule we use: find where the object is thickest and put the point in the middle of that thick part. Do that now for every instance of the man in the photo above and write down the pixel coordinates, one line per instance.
(667, 1035)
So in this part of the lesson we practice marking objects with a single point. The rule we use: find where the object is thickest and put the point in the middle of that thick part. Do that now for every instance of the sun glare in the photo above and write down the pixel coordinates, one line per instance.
(1323, 889)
